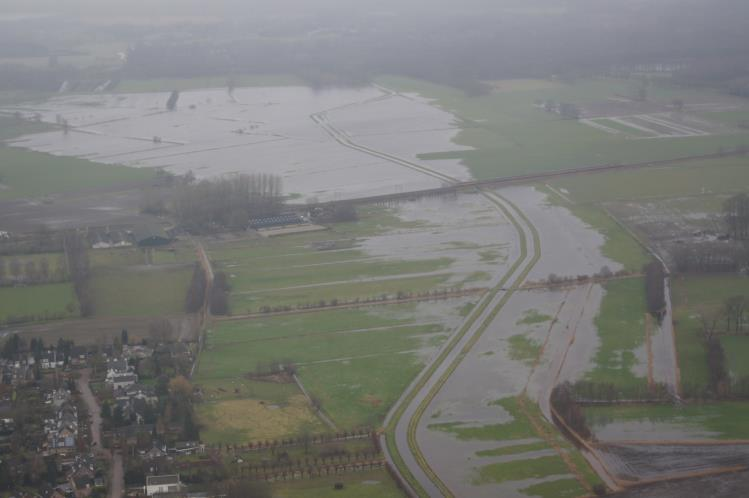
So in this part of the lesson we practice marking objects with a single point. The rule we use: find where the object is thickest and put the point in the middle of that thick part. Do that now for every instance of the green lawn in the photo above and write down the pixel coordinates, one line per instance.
(37, 302)
(692, 295)
(510, 136)
(25, 173)
(356, 362)
(727, 419)
(621, 331)
(140, 291)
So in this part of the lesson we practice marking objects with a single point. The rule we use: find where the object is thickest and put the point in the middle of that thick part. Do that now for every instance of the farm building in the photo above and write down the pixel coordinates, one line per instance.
(150, 236)
(281, 220)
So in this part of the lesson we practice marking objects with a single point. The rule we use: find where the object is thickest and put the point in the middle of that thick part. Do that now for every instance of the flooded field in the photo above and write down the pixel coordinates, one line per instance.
(526, 349)
(255, 130)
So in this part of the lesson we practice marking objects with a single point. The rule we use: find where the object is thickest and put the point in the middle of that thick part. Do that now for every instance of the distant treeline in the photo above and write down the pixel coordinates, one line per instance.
(459, 47)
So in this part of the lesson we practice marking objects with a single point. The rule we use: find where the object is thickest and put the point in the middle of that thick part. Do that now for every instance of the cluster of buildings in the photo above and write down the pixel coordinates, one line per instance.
(22, 368)
(61, 431)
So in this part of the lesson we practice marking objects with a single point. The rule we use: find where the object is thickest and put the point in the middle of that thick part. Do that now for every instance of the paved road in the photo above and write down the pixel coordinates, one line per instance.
(117, 477)
(93, 408)
(116, 473)
(437, 372)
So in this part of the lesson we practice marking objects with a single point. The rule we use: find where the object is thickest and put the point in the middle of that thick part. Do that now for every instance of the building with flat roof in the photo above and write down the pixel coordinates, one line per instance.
(163, 484)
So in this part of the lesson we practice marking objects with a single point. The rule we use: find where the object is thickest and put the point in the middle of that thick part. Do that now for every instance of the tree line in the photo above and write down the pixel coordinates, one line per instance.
(79, 267)
(211, 205)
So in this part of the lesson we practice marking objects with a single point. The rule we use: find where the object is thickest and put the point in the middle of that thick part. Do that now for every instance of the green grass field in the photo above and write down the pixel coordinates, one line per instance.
(693, 178)
(356, 362)
(11, 127)
(621, 331)
(55, 261)
(25, 173)
(306, 268)
(725, 420)
(691, 296)
(37, 302)
(372, 484)
(510, 136)
(140, 291)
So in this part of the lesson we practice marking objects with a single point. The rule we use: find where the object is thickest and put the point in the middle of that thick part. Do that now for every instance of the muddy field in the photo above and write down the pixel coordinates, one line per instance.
(255, 130)
(729, 485)
(642, 462)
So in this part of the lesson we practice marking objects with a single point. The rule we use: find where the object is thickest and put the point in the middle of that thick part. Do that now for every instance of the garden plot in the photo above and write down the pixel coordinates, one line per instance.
(255, 130)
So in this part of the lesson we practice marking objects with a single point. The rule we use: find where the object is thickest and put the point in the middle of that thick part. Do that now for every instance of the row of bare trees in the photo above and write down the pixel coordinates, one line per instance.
(211, 205)
(736, 212)
(79, 267)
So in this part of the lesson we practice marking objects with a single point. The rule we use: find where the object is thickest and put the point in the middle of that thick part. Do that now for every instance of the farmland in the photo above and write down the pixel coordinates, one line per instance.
(355, 362)
(38, 303)
(27, 173)
(509, 134)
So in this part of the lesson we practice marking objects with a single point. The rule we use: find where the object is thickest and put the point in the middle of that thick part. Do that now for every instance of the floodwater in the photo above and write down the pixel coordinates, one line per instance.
(465, 228)
(259, 130)
(568, 245)
(489, 372)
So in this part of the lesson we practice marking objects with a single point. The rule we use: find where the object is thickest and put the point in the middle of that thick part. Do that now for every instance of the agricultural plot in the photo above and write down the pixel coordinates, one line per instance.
(25, 173)
(692, 421)
(621, 358)
(354, 362)
(692, 296)
(124, 284)
(407, 252)
(37, 303)
(508, 132)
(216, 128)
(373, 484)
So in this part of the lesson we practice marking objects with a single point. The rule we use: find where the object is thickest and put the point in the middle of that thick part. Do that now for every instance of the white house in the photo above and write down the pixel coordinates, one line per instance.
(162, 484)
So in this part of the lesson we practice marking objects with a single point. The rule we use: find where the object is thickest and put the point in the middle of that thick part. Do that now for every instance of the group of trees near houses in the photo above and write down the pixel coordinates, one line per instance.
(211, 205)
(79, 267)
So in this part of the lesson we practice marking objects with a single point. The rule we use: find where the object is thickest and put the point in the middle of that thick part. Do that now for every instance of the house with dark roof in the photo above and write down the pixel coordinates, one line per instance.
(150, 236)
